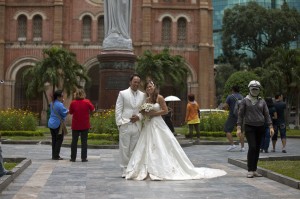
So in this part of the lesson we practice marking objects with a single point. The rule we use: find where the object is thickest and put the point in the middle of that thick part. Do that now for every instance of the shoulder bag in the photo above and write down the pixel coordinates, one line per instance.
(62, 128)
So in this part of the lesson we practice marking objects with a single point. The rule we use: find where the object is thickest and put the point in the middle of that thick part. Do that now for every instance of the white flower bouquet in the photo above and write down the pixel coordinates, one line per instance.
(147, 107)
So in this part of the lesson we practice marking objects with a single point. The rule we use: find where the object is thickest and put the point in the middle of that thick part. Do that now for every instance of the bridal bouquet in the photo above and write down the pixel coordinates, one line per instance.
(147, 107)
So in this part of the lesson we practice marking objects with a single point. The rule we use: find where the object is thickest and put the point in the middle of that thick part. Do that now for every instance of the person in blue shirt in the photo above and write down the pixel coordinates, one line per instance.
(58, 112)
(280, 126)
(232, 119)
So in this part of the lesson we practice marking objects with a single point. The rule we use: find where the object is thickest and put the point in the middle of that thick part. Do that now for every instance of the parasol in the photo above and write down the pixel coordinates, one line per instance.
(172, 98)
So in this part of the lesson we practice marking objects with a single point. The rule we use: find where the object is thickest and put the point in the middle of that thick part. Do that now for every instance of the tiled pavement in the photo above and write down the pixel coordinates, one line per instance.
(100, 177)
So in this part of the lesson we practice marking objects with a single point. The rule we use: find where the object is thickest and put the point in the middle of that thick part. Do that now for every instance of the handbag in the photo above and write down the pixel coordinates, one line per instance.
(62, 128)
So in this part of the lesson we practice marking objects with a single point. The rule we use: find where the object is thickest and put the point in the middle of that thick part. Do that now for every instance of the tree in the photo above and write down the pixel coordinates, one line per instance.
(241, 79)
(250, 32)
(59, 68)
(287, 64)
(223, 72)
(162, 67)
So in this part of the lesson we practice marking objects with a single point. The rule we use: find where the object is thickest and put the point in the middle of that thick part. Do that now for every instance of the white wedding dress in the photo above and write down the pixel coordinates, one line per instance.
(159, 156)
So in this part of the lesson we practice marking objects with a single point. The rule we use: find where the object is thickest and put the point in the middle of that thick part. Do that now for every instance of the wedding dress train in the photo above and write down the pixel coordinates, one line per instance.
(158, 155)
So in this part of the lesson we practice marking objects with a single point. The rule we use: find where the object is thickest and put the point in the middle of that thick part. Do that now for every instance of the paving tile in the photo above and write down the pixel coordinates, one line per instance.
(100, 177)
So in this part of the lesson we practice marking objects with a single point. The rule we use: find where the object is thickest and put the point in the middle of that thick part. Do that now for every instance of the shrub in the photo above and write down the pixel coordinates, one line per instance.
(104, 136)
(240, 78)
(22, 133)
(213, 122)
(103, 122)
(17, 120)
(211, 125)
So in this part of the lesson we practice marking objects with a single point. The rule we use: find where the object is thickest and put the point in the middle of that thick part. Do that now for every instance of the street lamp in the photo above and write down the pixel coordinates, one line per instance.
(1, 81)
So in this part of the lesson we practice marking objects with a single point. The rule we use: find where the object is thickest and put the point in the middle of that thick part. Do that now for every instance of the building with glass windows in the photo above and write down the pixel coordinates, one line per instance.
(220, 5)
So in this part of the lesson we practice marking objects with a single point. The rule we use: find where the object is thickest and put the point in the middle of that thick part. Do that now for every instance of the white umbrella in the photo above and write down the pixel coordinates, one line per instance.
(171, 98)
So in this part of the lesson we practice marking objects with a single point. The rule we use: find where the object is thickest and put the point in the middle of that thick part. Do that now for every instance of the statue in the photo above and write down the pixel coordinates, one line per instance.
(117, 18)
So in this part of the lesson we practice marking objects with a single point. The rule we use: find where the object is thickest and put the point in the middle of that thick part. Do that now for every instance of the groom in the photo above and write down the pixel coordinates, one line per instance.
(128, 119)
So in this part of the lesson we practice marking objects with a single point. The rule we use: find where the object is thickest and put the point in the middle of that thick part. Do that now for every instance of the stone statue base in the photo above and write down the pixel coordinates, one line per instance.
(116, 41)
(116, 67)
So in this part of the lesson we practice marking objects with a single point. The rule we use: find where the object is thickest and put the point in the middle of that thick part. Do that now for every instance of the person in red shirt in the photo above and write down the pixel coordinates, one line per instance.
(80, 108)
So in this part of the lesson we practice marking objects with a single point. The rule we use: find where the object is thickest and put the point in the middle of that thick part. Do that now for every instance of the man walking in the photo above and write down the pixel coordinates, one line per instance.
(231, 121)
(280, 126)
(128, 119)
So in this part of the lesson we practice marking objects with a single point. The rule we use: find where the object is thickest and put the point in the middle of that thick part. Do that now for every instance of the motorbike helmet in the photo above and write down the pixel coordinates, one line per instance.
(254, 84)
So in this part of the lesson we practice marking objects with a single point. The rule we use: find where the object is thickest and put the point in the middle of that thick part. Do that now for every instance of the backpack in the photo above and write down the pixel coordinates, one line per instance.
(236, 106)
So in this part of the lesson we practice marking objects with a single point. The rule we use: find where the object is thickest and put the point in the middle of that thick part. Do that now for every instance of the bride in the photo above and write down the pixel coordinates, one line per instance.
(157, 154)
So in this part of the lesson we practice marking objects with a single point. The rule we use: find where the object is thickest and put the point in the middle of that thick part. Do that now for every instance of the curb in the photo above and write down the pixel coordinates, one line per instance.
(268, 173)
(7, 179)
(182, 142)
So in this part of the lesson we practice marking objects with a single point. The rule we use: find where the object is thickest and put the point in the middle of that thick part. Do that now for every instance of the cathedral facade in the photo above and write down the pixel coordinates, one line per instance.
(28, 27)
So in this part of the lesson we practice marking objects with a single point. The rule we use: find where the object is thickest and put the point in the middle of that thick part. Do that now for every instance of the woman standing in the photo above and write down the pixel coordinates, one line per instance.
(192, 116)
(157, 154)
(80, 108)
(58, 113)
(254, 112)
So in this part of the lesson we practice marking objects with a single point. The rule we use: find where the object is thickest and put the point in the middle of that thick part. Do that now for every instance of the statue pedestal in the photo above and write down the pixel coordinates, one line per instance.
(116, 67)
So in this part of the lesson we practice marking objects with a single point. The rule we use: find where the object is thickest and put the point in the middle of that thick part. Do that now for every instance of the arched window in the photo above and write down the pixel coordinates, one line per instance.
(166, 30)
(86, 28)
(181, 30)
(22, 28)
(100, 29)
(37, 27)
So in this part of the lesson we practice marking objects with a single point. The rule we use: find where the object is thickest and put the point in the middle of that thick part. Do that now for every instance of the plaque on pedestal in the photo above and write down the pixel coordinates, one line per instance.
(116, 67)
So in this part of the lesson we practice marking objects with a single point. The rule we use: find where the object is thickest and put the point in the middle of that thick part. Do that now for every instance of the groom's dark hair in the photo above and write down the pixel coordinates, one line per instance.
(134, 75)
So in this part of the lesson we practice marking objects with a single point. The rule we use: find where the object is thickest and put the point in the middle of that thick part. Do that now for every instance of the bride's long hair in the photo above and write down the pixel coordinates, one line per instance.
(152, 99)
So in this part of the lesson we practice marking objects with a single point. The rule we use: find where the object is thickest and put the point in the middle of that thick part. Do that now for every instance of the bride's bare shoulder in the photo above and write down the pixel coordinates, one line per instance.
(160, 98)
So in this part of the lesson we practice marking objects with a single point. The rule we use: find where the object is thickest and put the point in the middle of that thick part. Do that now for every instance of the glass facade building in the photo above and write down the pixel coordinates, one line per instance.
(219, 7)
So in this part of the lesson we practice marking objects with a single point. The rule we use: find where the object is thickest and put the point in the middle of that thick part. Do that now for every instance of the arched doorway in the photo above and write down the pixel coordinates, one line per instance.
(20, 100)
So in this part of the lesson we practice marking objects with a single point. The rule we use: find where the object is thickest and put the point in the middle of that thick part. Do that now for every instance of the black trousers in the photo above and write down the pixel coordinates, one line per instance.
(169, 123)
(83, 136)
(57, 140)
(254, 135)
(197, 128)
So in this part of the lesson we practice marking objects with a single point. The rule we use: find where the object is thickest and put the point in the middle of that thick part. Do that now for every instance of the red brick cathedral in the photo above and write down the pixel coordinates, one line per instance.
(29, 26)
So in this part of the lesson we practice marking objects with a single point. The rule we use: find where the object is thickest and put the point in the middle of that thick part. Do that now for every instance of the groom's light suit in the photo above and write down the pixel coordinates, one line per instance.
(128, 104)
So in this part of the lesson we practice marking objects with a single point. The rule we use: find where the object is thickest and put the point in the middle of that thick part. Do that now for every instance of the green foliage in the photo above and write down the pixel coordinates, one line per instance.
(286, 63)
(59, 68)
(223, 72)
(293, 132)
(213, 121)
(104, 136)
(17, 120)
(162, 67)
(245, 42)
(10, 165)
(22, 133)
(104, 122)
(288, 168)
(211, 124)
(240, 78)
